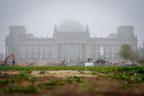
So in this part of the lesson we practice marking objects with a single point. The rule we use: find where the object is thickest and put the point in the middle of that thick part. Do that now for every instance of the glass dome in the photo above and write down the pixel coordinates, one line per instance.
(71, 26)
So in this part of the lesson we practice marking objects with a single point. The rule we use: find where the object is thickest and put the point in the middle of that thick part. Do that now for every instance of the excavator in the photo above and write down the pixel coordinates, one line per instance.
(9, 60)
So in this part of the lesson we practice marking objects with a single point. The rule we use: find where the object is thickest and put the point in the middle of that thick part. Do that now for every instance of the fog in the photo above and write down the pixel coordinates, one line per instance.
(40, 16)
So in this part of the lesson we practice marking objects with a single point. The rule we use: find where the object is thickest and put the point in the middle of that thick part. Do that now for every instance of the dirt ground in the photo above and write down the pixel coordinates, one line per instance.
(63, 73)
(66, 83)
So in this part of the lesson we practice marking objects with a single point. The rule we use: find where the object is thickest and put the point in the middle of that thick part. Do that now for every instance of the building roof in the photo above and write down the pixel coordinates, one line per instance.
(71, 30)
(71, 26)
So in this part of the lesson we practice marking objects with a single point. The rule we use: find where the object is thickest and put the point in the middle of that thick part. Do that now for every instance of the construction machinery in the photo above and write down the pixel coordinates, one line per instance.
(9, 60)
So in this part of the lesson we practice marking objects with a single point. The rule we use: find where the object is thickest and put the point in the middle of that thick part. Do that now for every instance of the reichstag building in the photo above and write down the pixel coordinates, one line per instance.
(70, 41)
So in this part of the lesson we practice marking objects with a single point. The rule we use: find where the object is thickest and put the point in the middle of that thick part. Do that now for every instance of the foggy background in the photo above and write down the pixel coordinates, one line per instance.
(40, 16)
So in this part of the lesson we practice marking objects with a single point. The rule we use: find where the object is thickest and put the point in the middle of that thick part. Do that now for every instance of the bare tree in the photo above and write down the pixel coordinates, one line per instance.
(126, 52)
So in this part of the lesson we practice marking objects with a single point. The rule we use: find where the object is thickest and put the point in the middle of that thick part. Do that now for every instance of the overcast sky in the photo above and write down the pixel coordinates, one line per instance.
(40, 16)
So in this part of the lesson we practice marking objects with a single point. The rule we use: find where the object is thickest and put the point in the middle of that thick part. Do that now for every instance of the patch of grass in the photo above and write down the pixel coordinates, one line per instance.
(86, 87)
(42, 72)
(133, 77)
(81, 71)
(104, 69)
(28, 89)
(53, 83)
(6, 81)
(24, 75)
(94, 72)
(73, 79)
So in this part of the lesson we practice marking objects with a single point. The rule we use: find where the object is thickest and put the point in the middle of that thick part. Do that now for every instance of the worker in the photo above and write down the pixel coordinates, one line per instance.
(13, 62)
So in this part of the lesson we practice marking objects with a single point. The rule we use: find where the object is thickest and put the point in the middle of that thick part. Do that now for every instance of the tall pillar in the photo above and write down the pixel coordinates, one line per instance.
(83, 52)
(59, 51)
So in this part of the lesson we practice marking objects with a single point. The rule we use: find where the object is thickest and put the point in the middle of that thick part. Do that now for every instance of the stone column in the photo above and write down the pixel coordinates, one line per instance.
(82, 51)
(59, 55)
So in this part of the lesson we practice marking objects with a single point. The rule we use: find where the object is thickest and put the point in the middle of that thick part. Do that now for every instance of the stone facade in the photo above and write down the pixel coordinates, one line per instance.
(71, 40)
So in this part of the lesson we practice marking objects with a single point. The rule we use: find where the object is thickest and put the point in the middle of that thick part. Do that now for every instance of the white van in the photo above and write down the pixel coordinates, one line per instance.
(88, 64)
